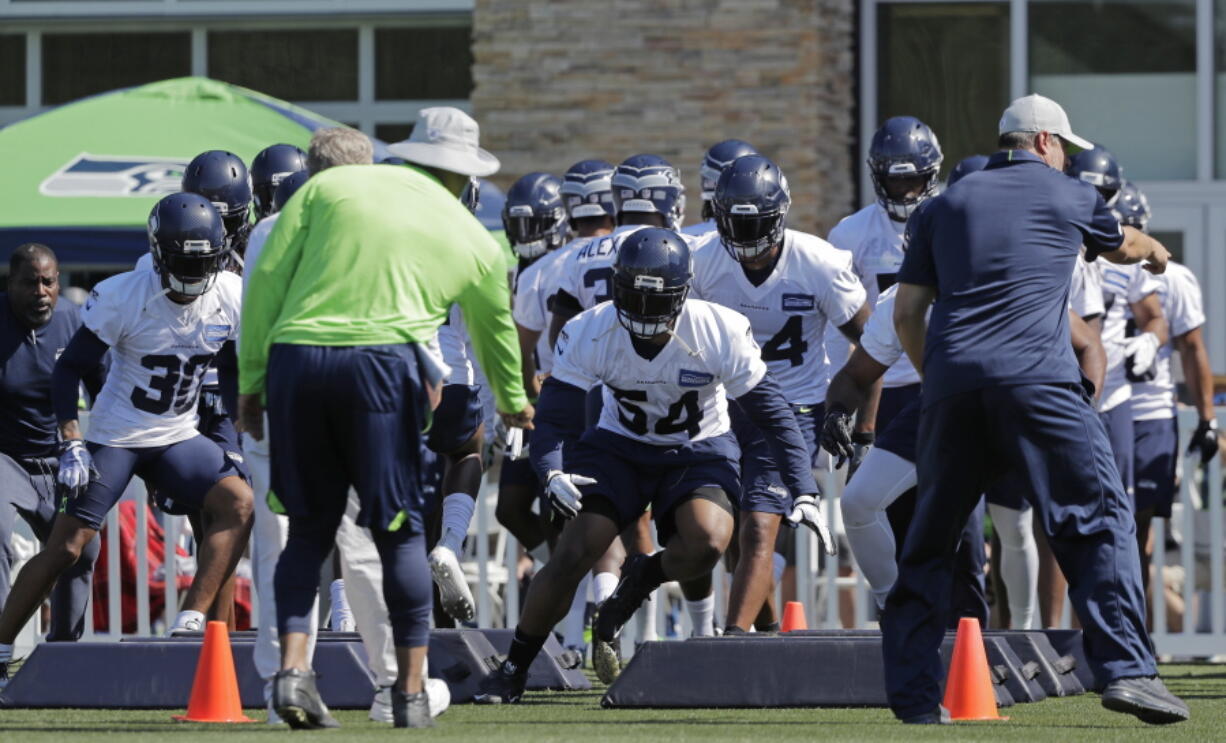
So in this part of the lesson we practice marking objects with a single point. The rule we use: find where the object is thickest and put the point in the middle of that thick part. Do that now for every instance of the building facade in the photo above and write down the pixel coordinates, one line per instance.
(806, 81)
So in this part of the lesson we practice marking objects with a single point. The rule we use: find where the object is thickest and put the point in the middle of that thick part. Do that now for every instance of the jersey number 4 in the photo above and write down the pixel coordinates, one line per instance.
(683, 415)
(788, 343)
(174, 383)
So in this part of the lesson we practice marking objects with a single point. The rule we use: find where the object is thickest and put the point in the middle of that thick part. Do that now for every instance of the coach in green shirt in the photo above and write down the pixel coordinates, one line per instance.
(355, 279)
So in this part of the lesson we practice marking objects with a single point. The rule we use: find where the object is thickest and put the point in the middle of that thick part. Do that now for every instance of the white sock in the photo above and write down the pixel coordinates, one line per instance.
(187, 615)
(457, 513)
(602, 587)
(649, 633)
(1019, 562)
(6, 653)
(702, 615)
(342, 616)
(572, 625)
(779, 563)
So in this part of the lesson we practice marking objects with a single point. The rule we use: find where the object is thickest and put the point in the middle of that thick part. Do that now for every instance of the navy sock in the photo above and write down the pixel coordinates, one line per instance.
(524, 649)
(653, 572)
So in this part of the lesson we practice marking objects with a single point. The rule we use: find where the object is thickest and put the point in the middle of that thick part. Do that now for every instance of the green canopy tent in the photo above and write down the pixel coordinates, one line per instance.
(82, 177)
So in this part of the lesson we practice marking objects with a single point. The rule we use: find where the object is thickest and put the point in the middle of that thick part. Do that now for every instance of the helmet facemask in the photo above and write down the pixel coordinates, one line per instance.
(645, 306)
(533, 235)
(899, 208)
(747, 234)
(191, 272)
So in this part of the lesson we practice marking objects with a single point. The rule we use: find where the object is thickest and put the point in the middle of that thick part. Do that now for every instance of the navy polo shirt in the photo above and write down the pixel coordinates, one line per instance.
(999, 247)
(27, 423)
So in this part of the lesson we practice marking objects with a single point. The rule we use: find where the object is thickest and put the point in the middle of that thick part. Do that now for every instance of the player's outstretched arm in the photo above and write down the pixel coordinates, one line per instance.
(557, 426)
(911, 319)
(1137, 247)
(80, 359)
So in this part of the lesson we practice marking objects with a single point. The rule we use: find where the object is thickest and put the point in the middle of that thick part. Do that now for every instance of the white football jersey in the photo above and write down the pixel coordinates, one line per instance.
(699, 229)
(812, 286)
(679, 396)
(1182, 304)
(875, 243)
(1122, 285)
(456, 347)
(534, 287)
(159, 353)
(1085, 296)
(587, 274)
(880, 338)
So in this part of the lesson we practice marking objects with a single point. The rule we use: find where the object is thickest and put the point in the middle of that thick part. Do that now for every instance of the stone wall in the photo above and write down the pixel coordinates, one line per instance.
(558, 81)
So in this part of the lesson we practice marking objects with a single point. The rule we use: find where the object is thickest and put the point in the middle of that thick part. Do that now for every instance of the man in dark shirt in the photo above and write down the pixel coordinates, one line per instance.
(1002, 391)
(34, 330)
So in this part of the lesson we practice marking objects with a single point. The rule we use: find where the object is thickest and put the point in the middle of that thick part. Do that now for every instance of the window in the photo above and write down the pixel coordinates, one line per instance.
(393, 132)
(77, 65)
(948, 65)
(423, 63)
(1136, 99)
(293, 65)
(12, 70)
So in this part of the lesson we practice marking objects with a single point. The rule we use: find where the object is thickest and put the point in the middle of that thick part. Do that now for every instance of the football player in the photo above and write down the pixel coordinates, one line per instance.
(222, 178)
(904, 162)
(163, 329)
(790, 285)
(1155, 426)
(668, 366)
(1130, 296)
(268, 169)
(718, 157)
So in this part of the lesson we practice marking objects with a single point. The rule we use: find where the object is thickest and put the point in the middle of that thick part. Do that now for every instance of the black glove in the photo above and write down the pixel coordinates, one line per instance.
(1204, 440)
(836, 435)
(861, 442)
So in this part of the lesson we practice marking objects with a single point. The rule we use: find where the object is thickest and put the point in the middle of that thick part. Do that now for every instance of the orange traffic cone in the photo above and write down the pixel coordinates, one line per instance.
(794, 616)
(215, 689)
(968, 685)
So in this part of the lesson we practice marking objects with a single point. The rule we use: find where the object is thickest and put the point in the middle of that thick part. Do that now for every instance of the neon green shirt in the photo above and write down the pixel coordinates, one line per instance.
(369, 255)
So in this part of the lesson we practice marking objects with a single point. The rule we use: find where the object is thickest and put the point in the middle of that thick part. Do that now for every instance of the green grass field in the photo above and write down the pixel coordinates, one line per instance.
(577, 716)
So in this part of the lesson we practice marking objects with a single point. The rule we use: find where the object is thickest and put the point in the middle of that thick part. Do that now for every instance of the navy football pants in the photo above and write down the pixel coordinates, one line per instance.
(1052, 437)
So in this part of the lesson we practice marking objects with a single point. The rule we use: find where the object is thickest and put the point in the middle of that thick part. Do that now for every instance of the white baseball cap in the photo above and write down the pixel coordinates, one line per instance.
(1034, 113)
(446, 138)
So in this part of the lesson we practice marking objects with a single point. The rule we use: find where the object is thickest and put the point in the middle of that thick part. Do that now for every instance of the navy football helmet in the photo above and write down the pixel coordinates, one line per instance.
(268, 169)
(534, 216)
(904, 153)
(751, 203)
(965, 167)
(287, 188)
(188, 242)
(221, 177)
(651, 280)
(649, 184)
(587, 189)
(718, 157)
(1100, 169)
(1131, 207)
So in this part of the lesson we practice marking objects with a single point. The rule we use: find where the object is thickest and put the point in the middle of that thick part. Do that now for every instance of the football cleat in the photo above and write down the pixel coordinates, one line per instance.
(297, 701)
(632, 590)
(453, 589)
(504, 686)
(437, 693)
(1146, 698)
(607, 659)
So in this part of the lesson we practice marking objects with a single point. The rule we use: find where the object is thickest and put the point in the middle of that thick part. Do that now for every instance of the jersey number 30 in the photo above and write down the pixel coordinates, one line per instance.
(174, 383)
(683, 415)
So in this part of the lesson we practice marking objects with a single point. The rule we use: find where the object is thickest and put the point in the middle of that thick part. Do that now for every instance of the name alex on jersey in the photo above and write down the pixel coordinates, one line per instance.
(160, 351)
(587, 273)
(681, 394)
(811, 286)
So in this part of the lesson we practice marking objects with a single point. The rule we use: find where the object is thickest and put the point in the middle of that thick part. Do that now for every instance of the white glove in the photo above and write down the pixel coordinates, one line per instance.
(562, 490)
(1143, 349)
(806, 511)
(76, 464)
(515, 449)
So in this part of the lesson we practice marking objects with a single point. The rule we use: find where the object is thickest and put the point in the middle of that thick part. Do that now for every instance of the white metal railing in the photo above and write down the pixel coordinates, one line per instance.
(1194, 570)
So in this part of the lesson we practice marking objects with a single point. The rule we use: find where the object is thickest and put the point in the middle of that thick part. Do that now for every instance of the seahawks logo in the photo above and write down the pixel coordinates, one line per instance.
(112, 175)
